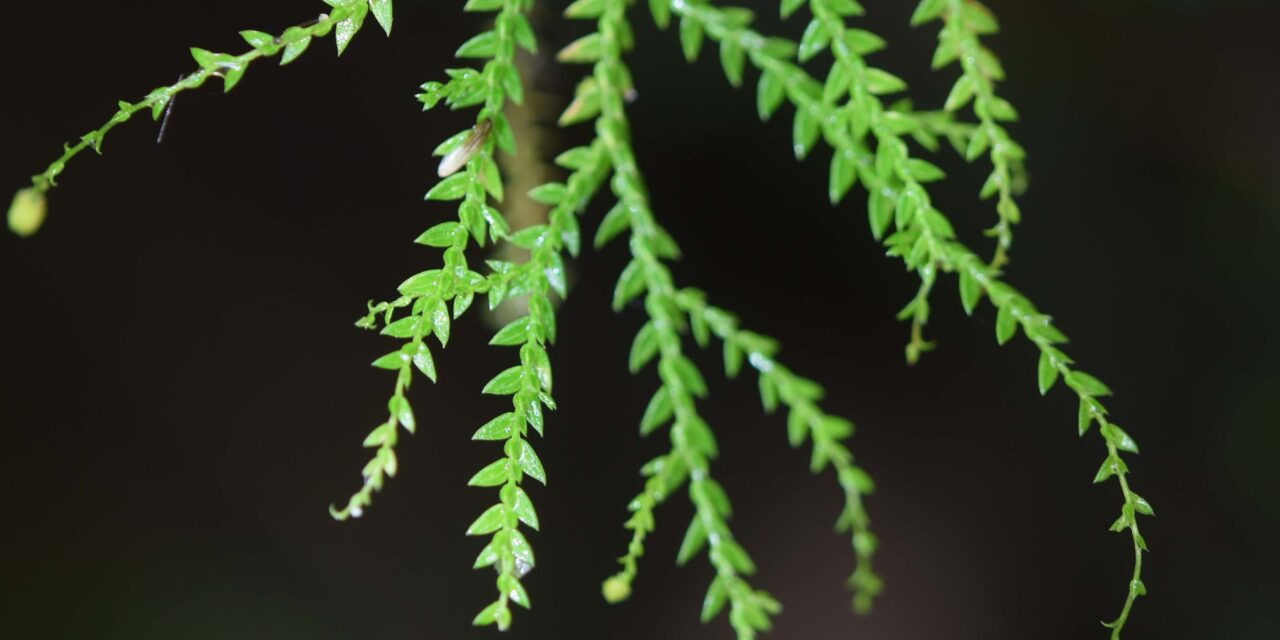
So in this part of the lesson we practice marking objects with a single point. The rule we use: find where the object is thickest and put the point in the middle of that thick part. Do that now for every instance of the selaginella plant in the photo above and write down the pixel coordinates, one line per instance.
(845, 105)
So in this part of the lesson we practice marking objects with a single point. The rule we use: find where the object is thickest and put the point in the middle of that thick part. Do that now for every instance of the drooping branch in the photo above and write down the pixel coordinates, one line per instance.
(344, 21)
(922, 235)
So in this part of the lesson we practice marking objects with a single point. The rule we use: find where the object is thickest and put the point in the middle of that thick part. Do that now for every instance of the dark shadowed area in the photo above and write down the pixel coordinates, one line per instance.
(183, 393)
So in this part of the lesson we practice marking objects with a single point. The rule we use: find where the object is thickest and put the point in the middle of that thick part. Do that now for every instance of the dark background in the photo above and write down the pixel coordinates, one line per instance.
(183, 393)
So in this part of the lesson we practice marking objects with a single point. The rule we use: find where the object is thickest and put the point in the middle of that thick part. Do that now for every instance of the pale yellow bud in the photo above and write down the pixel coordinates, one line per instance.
(26, 213)
(616, 590)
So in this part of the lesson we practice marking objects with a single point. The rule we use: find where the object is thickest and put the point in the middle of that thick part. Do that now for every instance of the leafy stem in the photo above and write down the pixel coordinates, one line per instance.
(346, 18)
(692, 441)
(963, 22)
(663, 474)
(804, 420)
(923, 237)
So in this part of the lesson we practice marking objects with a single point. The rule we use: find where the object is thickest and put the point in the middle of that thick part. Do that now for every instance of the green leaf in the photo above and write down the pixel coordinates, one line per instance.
(924, 171)
(1110, 467)
(505, 383)
(528, 236)
(1001, 109)
(732, 359)
(630, 284)
(441, 235)
(880, 208)
(451, 188)
(406, 327)
(423, 362)
(804, 133)
(1086, 415)
(928, 10)
(814, 40)
(1141, 505)
(1116, 436)
(732, 59)
(582, 9)
(880, 82)
(657, 412)
(863, 42)
(399, 408)
(488, 522)
(530, 464)
(392, 361)
(798, 425)
(1047, 373)
(523, 509)
(584, 50)
(462, 302)
(961, 93)
(345, 30)
(661, 10)
(614, 223)
(686, 372)
(770, 94)
(768, 394)
(382, 13)
(259, 40)
(715, 600)
(515, 333)
(1006, 324)
(970, 291)
(489, 614)
(499, 428)
(294, 49)
(737, 556)
(420, 284)
(483, 5)
(1087, 384)
(690, 38)
(695, 537)
(550, 194)
(790, 6)
(440, 322)
(843, 167)
(482, 45)
(492, 475)
(515, 590)
(643, 348)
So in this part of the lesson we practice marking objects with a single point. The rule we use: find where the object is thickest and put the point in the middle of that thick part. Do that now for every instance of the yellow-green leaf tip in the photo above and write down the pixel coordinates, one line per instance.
(27, 212)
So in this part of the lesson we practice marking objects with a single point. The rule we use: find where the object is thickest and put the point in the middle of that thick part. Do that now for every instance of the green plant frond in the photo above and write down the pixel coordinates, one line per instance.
(964, 21)
(345, 21)
(779, 386)
(922, 236)
(692, 441)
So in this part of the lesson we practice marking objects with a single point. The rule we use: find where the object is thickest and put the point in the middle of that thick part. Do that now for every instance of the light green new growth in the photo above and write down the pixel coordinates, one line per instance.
(846, 109)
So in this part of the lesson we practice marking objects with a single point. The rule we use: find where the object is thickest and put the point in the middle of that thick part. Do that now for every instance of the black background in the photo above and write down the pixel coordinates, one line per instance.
(183, 392)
